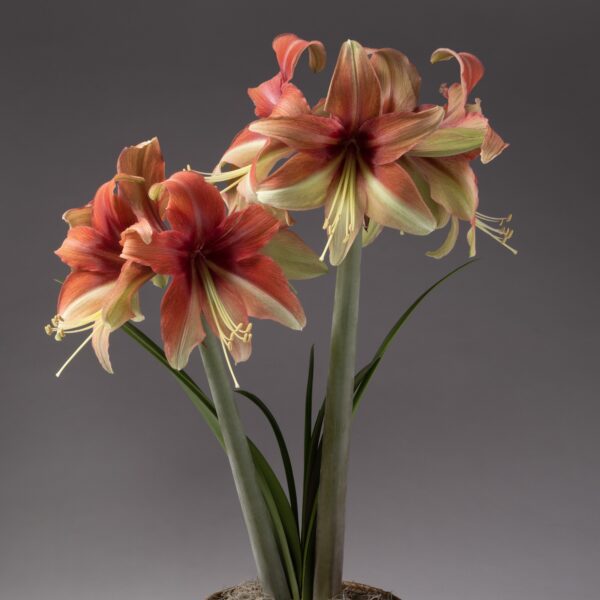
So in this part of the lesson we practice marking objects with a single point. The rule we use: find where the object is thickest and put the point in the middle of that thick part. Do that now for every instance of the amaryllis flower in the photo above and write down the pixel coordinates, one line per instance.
(275, 97)
(221, 274)
(101, 292)
(346, 157)
(441, 163)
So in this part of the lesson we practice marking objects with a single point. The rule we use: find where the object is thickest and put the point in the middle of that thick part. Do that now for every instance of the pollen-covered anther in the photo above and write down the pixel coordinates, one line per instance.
(55, 328)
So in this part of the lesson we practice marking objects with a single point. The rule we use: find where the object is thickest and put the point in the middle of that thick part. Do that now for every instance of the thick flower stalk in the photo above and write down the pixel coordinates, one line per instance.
(101, 291)
(221, 274)
(345, 157)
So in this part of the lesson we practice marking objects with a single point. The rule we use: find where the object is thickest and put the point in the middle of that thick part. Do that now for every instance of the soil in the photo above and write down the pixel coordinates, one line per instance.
(251, 590)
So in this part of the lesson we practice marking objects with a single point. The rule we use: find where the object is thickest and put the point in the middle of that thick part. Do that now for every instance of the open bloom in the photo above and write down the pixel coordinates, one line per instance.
(441, 163)
(221, 273)
(346, 157)
(101, 291)
(275, 97)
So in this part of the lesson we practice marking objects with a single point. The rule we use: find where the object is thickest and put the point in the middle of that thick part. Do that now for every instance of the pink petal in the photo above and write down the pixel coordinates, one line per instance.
(493, 145)
(167, 253)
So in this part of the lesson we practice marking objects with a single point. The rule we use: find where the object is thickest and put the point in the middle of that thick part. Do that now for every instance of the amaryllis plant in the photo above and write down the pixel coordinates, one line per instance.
(222, 243)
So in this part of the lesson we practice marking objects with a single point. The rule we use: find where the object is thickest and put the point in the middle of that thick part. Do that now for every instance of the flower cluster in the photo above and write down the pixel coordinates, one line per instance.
(369, 153)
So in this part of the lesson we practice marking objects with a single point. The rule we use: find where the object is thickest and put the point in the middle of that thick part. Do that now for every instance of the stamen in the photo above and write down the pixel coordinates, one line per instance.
(499, 232)
(227, 329)
(345, 192)
(77, 351)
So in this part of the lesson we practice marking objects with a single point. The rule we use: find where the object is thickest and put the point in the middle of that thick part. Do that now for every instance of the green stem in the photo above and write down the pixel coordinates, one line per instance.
(336, 428)
(254, 509)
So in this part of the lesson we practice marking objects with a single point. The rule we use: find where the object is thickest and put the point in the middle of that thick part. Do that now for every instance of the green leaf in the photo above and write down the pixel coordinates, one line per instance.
(285, 456)
(308, 559)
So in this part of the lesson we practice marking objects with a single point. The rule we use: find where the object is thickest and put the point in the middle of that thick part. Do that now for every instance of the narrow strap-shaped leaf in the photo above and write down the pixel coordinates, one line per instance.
(279, 502)
(308, 409)
(359, 389)
(312, 471)
(283, 450)
(398, 324)
(308, 559)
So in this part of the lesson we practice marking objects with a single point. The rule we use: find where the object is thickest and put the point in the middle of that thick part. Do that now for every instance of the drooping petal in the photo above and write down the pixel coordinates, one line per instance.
(244, 148)
(449, 243)
(82, 296)
(167, 253)
(100, 343)
(194, 208)
(391, 135)
(87, 248)
(295, 258)
(354, 94)
(301, 183)
(78, 216)
(466, 135)
(440, 214)
(452, 183)
(289, 47)
(291, 102)
(120, 305)
(303, 132)
(244, 233)
(265, 292)
(181, 319)
(471, 68)
(393, 200)
(399, 80)
(493, 145)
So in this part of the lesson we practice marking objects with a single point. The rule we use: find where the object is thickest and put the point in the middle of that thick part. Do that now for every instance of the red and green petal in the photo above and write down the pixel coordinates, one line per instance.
(167, 253)
(193, 207)
(302, 132)
(263, 288)
(452, 184)
(288, 50)
(399, 80)
(301, 183)
(121, 304)
(393, 199)
(244, 233)
(391, 135)
(88, 249)
(296, 259)
(82, 297)
(78, 216)
(354, 93)
(181, 319)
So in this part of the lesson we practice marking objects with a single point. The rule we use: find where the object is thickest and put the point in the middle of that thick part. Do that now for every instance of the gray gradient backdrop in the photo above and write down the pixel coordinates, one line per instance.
(475, 457)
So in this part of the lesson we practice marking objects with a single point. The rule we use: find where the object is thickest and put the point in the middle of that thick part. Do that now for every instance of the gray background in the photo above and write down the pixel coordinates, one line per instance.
(475, 456)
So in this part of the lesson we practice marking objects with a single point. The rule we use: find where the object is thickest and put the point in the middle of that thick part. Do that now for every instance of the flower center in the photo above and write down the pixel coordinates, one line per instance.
(228, 330)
